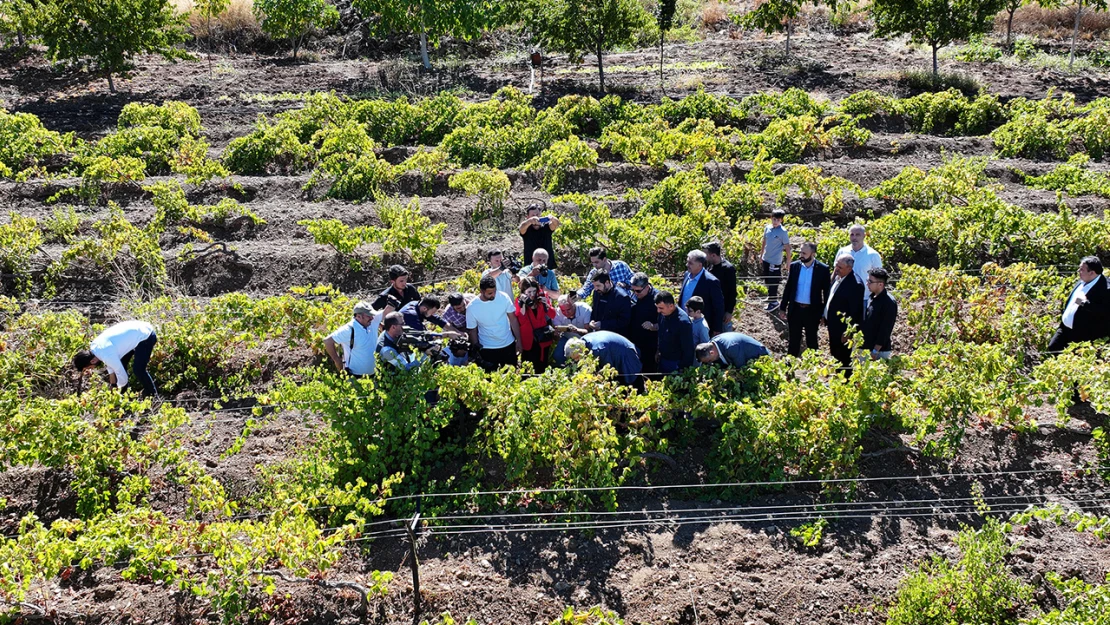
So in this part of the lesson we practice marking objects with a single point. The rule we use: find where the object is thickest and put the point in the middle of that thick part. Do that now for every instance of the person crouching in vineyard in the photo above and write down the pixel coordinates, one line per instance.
(534, 314)
(610, 349)
(126, 342)
(388, 348)
(358, 339)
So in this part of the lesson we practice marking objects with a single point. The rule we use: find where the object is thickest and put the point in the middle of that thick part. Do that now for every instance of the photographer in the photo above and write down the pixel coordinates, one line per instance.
(458, 352)
(399, 288)
(389, 348)
(425, 310)
(536, 232)
(501, 271)
(541, 272)
(534, 314)
(358, 340)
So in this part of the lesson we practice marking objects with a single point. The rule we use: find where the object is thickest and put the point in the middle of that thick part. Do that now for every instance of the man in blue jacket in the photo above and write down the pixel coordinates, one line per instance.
(610, 349)
(698, 281)
(732, 350)
(676, 335)
(612, 306)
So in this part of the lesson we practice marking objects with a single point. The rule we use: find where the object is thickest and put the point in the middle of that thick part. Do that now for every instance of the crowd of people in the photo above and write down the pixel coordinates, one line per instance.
(520, 313)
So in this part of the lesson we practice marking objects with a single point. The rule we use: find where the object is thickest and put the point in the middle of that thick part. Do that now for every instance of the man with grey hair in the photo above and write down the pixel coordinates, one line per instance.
(541, 272)
(610, 349)
(698, 281)
(865, 257)
(358, 339)
(572, 318)
(844, 308)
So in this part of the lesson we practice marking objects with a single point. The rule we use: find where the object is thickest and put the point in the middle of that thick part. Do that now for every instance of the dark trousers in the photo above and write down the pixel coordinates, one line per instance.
(839, 349)
(801, 319)
(536, 356)
(1064, 336)
(647, 358)
(138, 359)
(668, 366)
(494, 359)
(772, 278)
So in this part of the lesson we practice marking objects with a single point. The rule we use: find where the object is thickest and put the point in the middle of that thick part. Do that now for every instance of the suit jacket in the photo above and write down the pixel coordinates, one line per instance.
(709, 289)
(613, 310)
(878, 322)
(1092, 320)
(726, 273)
(676, 338)
(645, 340)
(738, 349)
(818, 286)
(848, 300)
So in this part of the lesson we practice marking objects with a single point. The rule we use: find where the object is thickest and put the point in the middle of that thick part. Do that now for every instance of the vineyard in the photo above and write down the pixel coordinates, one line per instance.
(244, 207)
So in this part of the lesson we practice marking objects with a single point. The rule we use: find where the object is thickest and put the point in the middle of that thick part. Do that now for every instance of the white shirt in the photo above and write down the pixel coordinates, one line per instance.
(1069, 312)
(491, 320)
(581, 319)
(115, 342)
(805, 283)
(866, 260)
(837, 281)
(360, 358)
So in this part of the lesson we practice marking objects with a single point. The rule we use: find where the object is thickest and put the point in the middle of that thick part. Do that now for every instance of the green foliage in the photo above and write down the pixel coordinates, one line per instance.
(342, 238)
(655, 142)
(504, 146)
(37, 349)
(593, 616)
(270, 148)
(20, 239)
(1074, 178)
(721, 110)
(405, 230)
(934, 22)
(171, 208)
(559, 159)
(952, 182)
(460, 19)
(793, 102)
(1082, 522)
(1084, 603)
(26, 147)
(292, 19)
(787, 139)
(1080, 369)
(866, 104)
(739, 201)
(348, 165)
(61, 225)
(112, 32)
(172, 115)
(976, 589)
(951, 111)
(491, 186)
(978, 49)
(1054, 127)
(810, 535)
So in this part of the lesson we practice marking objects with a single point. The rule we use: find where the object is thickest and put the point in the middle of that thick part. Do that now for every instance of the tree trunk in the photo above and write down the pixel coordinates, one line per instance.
(789, 31)
(297, 44)
(424, 51)
(111, 83)
(936, 68)
(1075, 34)
(600, 70)
(1010, 30)
(662, 85)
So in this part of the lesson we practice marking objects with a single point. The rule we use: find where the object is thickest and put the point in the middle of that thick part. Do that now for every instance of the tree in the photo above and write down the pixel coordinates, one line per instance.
(20, 18)
(432, 19)
(112, 32)
(1080, 5)
(665, 20)
(1011, 7)
(936, 23)
(292, 19)
(772, 16)
(209, 9)
(577, 26)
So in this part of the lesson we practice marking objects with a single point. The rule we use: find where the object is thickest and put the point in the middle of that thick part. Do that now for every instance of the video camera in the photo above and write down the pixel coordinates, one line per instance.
(511, 263)
(420, 340)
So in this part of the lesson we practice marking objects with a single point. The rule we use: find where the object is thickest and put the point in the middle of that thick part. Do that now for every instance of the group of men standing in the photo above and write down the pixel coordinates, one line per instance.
(629, 323)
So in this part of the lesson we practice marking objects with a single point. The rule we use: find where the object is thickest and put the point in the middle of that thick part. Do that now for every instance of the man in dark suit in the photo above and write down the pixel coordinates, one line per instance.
(698, 281)
(843, 309)
(641, 331)
(879, 316)
(1086, 315)
(803, 299)
(726, 273)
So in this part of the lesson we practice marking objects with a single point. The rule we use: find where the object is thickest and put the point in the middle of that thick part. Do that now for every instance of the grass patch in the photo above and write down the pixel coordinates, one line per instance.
(697, 66)
(920, 81)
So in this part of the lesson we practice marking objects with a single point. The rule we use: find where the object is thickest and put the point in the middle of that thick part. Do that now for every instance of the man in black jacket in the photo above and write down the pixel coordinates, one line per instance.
(844, 308)
(1086, 315)
(803, 299)
(612, 306)
(725, 272)
(399, 288)
(879, 316)
(676, 335)
(642, 331)
(700, 282)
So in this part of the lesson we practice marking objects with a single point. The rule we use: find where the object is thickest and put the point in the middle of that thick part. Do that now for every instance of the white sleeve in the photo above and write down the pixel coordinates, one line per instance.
(374, 323)
(112, 361)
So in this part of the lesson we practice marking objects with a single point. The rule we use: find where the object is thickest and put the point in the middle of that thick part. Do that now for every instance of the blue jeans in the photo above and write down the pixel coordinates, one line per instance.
(141, 355)
(668, 366)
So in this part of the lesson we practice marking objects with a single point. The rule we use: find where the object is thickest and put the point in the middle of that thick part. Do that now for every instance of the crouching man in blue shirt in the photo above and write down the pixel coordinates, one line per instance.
(732, 350)
(610, 349)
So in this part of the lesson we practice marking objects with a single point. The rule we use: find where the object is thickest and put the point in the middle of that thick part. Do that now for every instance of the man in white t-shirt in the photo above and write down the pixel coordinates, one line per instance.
(126, 342)
(493, 327)
(358, 339)
(866, 258)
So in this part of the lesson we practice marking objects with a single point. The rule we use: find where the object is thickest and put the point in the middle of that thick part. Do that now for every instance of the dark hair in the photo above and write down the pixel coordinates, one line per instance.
(696, 303)
(778, 213)
(879, 274)
(703, 350)
(82, 359)
(597, 252)
(527, 283)
(455, 298)
(430, 302)
(487, 282)
(811, 245)
(396, 271)
(1093, 264)
(713, 247)
(601, 276)
(490, 254)
(393, 319)
(664, 297)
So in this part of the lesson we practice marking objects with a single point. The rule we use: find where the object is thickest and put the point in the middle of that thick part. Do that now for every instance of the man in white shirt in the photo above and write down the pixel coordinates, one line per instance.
(572, 318)
(358, 339)
(865, 257)
(493, 327)
(126, 342)
(1086, 315)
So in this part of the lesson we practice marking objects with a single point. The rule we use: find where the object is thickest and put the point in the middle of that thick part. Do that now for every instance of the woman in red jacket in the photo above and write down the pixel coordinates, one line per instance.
(535, 312)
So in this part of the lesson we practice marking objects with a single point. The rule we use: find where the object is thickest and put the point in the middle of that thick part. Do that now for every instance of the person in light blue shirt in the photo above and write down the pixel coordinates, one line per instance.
(358, 340)
(389, 351)
(695, 307)
(542, 273)
(732, 350)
